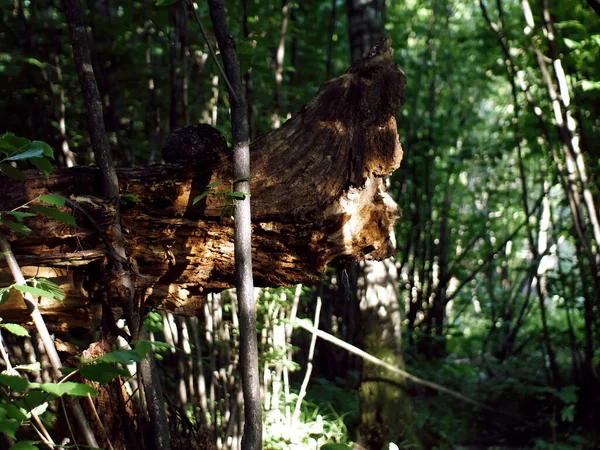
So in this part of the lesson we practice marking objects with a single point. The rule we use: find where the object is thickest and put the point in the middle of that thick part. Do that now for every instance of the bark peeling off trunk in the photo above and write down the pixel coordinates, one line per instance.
(317, 195)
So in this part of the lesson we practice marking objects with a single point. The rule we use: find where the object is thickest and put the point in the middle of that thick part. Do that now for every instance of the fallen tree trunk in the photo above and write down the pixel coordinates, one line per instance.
(317, 195)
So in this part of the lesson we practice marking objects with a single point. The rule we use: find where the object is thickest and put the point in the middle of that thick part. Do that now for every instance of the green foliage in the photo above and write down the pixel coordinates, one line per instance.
(40, 154)
(13, 148)
(27, 397)
(38, 287)
(15, 329)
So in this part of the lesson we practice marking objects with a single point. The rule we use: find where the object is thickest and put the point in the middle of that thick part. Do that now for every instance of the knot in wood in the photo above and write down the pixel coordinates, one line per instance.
(195, 145)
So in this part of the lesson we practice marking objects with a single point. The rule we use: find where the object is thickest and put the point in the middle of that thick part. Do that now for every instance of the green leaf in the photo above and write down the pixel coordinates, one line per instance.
(102, 372)
(567, 414)
(200, 197)
(587, 85)
(68, 388)
(37, 292)
(153, 322)
(12, 172)
(34, 62)
(27, 154)
(53, 199)
(4, 294)
(335, 447)
(131, 198)
(159, 345)
(35, 398)
(55, 214)
(11, 142)
(43, 165)
(46, 149)
(15, 383)
(41, 409)
(120, 356)
(25, 445)
(15, 329)
(56, 292)
(237, 195)
(33, 367)
(20, 216)
(570, 43)
(13, 412)
(142, 348)
(568, 394)
(9, 427)
(16, 227)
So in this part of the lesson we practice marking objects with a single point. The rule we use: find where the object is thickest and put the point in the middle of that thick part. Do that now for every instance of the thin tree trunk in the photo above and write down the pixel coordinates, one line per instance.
(153, 117)
(252, 438)
(179, 114)
(248, 75)
(68, 155)
(386, 411)
(279, 58)
(110, 190)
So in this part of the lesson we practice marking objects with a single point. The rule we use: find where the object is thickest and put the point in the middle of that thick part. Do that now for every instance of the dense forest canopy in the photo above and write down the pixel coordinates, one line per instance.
(493, 291)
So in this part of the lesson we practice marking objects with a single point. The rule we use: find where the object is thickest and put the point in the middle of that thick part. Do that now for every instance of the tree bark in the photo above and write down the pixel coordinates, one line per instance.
(244, 283)
(317, 195)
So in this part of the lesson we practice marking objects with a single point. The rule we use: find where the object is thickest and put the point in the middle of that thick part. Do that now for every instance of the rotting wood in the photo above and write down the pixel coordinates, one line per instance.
(317, 195)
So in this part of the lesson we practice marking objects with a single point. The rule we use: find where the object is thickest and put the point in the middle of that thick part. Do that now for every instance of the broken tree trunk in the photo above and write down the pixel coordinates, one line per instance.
(317, 195)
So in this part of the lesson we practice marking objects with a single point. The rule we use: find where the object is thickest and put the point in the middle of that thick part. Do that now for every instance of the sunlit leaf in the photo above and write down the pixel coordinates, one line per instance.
(48, 286)
(120, 356)
(53, 199)
(131, 198)
(237, 195)
(37, 292)
(15, 329)
(102, 372)
(33, 367)
(587, 85)
(34, 62)
(68, 388)
(153, 322)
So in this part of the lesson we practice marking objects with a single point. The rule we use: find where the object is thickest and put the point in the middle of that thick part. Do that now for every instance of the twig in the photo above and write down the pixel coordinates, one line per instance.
(311, 353)
(367, 357)
(212, 52)
(111, 250)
